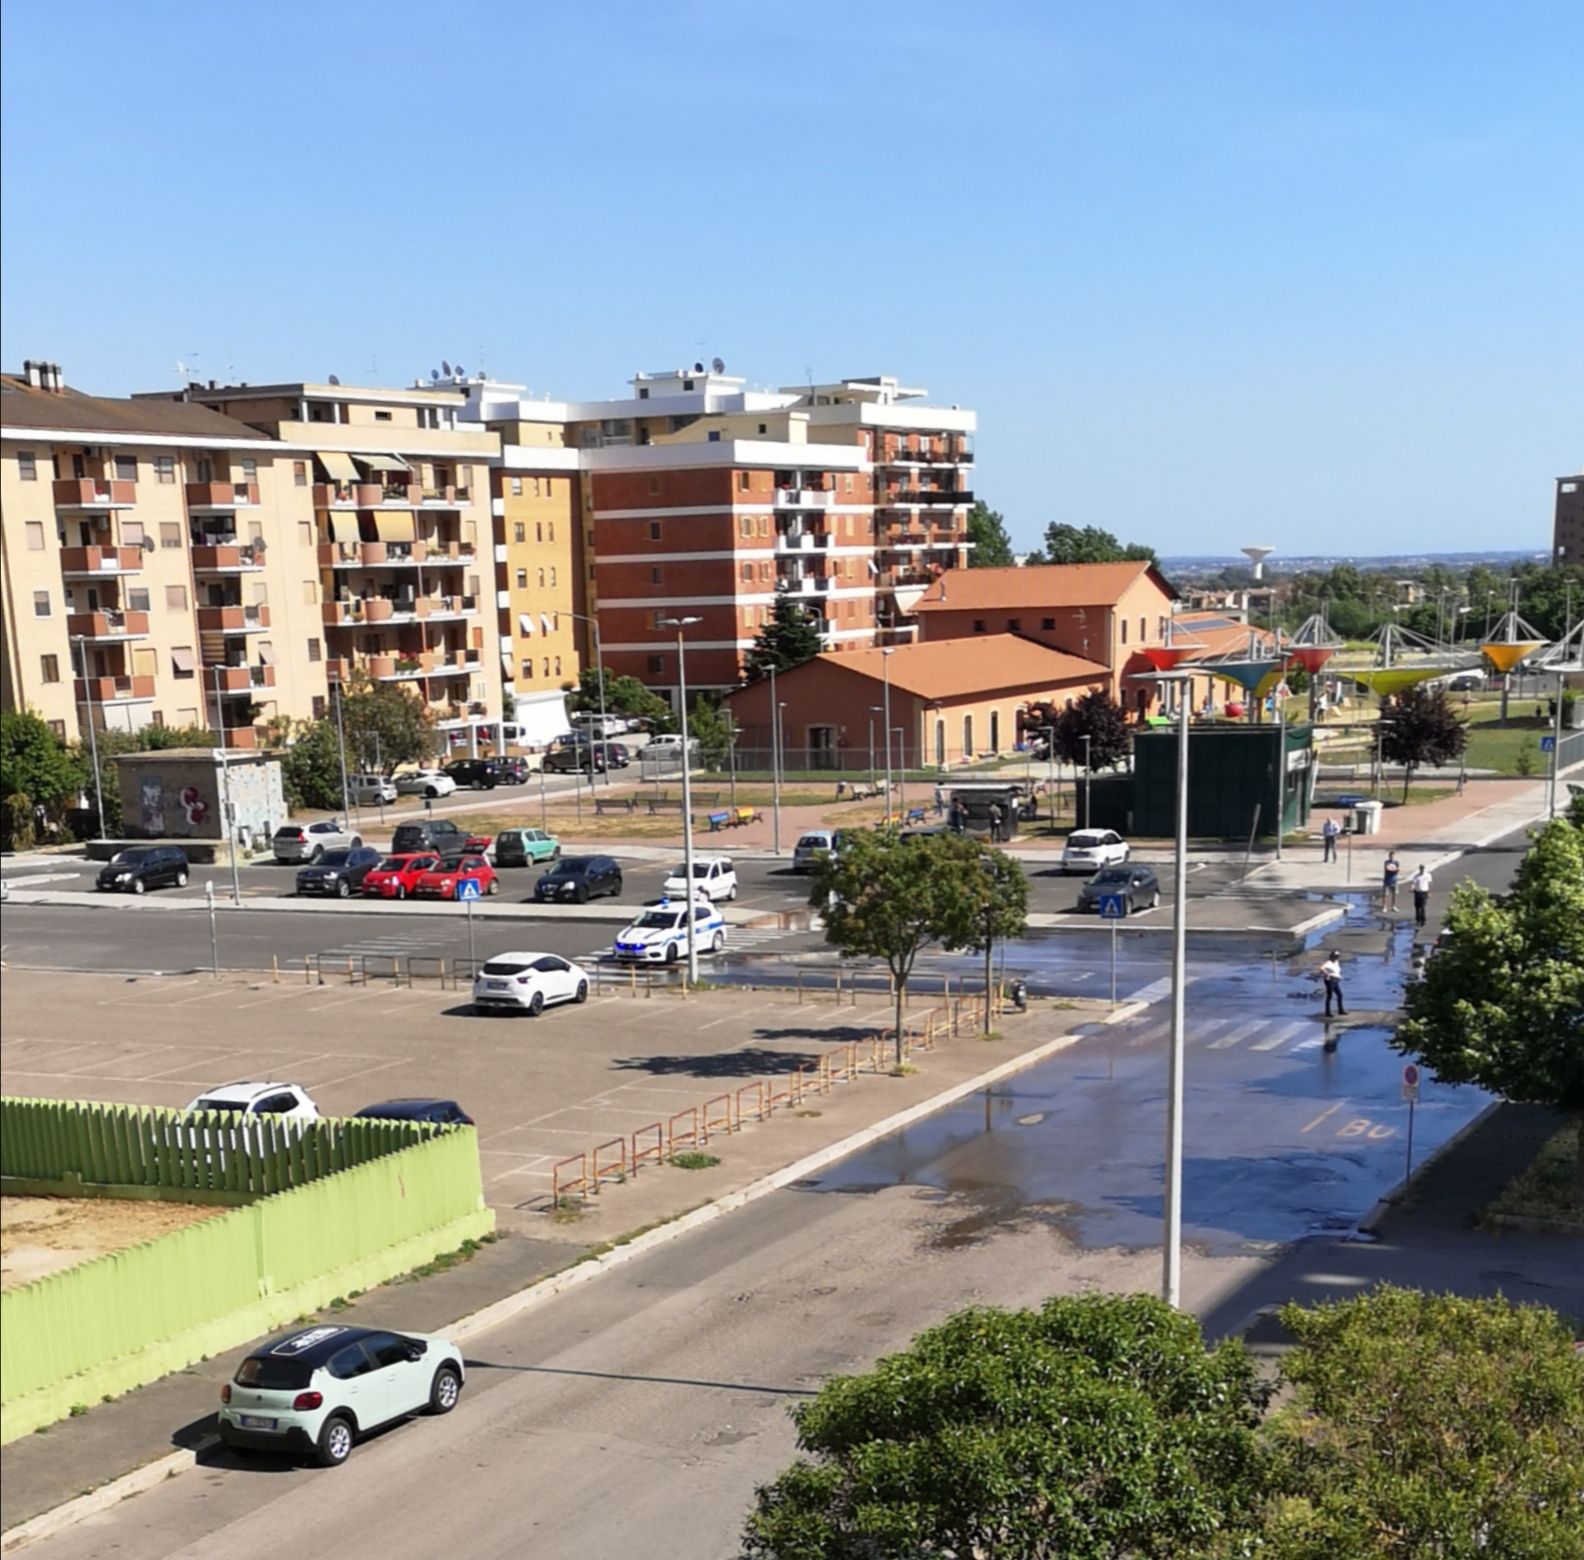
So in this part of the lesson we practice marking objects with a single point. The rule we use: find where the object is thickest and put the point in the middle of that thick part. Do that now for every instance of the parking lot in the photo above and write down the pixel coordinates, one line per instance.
(539, 1089)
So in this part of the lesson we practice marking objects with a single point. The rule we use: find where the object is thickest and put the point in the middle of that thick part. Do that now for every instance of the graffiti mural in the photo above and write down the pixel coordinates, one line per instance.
(151, 804)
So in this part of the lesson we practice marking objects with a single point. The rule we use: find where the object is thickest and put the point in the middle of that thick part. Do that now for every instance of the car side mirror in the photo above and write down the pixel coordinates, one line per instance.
(416, 1349)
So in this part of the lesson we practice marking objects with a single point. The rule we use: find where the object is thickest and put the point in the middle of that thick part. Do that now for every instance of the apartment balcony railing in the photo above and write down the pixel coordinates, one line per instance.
(804, 498)
(210, 496)
(348, 495)
(240, 737)
(237, 679)
(910, 498)
(109, 624)
(226, 558)
(803, 585)
(91, 561)
(113, 690)
(233, 620)
(451, 496)
(94, 493)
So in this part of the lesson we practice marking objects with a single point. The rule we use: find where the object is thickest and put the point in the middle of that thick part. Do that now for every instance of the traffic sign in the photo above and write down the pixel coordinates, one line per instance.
(1548, 744)
(467, 888)
(1410, 1083)
(1113, 907)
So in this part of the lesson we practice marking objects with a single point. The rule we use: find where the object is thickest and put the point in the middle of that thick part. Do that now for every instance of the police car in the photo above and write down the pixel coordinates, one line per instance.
(315, 1392)
(660, 934)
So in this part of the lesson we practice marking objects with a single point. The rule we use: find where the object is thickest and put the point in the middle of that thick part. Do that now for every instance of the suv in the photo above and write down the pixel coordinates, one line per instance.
(289, 1101)
(593, 722)
(338, 872)
(308, 842)
(316, 1391)
(480, 773)
(714, 877)
(144, 867)
(371, 790)
(424, 782)
(580, 879)
(582, 756)
(511, 771)
(435, 834)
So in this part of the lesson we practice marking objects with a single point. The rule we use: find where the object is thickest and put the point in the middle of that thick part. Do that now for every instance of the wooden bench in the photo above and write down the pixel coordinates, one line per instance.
(665, 802)
(721, 820)
(605, 804)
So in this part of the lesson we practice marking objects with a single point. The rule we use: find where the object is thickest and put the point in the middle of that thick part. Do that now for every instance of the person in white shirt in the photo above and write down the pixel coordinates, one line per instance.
(1420, 884)
(1331, 974)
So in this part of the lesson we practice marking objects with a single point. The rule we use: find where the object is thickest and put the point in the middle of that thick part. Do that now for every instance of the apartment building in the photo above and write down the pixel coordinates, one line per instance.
(149, 565)
(396, 563)
(1567, 532)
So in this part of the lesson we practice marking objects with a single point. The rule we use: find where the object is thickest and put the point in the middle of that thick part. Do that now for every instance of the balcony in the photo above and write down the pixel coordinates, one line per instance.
(108, 625)
(910, 498)
(92, 562)
(233, 620)
(224, 558)
(358, 495)
(447, 497)
(456, 663)
(803, 585)
(237, 679)
(114, 690)
(94, 493)
(212, 497)
(246, 737)
(358, 610)
(804, 498)
(446, 607)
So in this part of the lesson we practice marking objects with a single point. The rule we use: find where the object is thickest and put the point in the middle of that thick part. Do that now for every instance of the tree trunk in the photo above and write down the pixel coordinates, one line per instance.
(901, 1002)
(989, 962)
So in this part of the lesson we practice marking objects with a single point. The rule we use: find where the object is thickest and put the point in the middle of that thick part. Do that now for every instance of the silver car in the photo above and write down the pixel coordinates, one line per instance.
(309, 841)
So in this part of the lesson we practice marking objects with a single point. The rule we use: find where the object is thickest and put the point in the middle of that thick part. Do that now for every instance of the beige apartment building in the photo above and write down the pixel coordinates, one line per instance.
(151, 564)
(396, 563)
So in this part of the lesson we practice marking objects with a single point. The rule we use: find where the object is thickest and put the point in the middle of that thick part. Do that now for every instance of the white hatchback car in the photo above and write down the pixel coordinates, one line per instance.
(424, 782)
(1087, 850)
(315, 1391)
(713, 876)
(527, 983)
(371, 790)
(288, 1100)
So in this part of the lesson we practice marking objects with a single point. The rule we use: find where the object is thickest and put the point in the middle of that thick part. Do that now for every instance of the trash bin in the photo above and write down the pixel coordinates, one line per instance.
(1367, 817)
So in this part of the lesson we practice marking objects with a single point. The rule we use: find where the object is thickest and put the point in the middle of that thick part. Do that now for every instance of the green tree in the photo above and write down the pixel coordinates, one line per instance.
(311, 765)
(1501, 1004)
(1552, 599)
(708, 726)
(987, 530)
(38, 767)
(1001, 911)
(1428, 1425)
(1099, 717)
(623, 695)
(386, 725)
(789, 639)
(887, 898)
(1089, 544)
(1095, 1428)
(1422, 728)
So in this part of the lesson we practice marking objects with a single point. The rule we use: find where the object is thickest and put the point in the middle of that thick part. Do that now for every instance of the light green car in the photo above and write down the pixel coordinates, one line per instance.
(525, 847)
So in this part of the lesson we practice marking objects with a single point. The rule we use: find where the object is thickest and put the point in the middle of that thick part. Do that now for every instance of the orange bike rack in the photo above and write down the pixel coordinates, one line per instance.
(565, 1187)
(605, 1171)
(688, 1137)
(718, 1116)
(757, 1103)
(654, 1151)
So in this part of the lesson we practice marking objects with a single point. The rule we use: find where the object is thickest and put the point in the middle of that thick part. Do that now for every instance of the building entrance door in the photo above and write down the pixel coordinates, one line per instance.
(822, 747)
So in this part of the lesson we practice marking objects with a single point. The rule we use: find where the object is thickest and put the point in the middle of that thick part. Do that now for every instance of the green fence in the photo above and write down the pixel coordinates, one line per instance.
(135, 1315)
(53, 1145)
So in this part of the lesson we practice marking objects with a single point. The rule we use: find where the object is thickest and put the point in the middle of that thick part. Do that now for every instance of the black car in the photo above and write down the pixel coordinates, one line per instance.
(480, 773)
(617, 755)
(1139, 884)
(143, 867)
(576, 756)
(444, 1111)
(339, 872)
(511, 771)
(580, 879)
(438, 834)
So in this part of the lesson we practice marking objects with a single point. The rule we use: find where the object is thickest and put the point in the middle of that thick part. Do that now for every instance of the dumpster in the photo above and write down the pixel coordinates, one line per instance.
(1367, 817)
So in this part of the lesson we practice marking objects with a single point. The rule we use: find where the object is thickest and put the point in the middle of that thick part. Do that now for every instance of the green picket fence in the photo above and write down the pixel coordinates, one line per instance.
(104, 1145)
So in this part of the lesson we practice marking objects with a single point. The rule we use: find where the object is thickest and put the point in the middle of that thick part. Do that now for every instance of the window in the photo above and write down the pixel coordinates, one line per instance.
(1123, 622)
(745, 526)
(59, 728)
(657, 575)
(744, 481)
(522, 579)
(41, 603)
(27, 466)
(138, 599)
(847, 486)
(260, 592)
(547, 666)
(183, 662)
(558, 666)
(203, 469)
(170, 533)
(250, 470)
(516, 487)
(687, 384)
(300, 473)
(968, 746)
(35, 535)
(541, 579)
(519, 531)
(176, 598)
(550, 493)
(552, 576)
(1014, 625)
(654, 530)
(1047, 623)
(126, 468)
(318, 706)
(350, 1361)
(747, 573)
(315, 652)
(764, 525)
(382, 417)
(527, 668)
(165, 468)
(657, 663)
(49, 668)
(979, 625)
(538, 530)
(1143, 631)
(255, 532)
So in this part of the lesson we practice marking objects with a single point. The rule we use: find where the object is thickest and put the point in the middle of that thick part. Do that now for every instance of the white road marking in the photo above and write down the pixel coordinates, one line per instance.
(1281, 1036)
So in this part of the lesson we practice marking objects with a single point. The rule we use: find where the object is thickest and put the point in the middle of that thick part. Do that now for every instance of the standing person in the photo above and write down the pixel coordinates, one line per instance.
(1328, 838)
(995, 823)
(1389, 875)
(1420, 883)
(1331, 974)
(959, 815)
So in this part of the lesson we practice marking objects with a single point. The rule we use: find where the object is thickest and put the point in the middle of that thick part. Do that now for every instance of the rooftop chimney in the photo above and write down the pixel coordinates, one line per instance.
(33, 373)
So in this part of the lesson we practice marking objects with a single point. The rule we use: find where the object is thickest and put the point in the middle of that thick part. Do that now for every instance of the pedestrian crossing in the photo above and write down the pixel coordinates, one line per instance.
(418, 940)
(1267, 1034)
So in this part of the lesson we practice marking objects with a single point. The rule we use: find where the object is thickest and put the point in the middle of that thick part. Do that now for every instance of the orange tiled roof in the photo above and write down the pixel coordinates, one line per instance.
(984, 663)
(1040, 585)
(1208, 634)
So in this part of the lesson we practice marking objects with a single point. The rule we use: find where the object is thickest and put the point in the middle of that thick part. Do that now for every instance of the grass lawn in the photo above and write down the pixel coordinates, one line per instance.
(1545, 1189)
(1495, 747)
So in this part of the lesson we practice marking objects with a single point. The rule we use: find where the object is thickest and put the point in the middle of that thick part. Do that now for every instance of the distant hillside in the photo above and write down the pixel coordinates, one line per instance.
(1197, 565)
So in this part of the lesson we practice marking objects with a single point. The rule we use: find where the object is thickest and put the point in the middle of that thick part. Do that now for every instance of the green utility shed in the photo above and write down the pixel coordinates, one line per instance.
(1232, 769)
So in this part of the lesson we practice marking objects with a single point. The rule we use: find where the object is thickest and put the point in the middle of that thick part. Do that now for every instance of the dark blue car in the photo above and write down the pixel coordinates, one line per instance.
(444, 1111)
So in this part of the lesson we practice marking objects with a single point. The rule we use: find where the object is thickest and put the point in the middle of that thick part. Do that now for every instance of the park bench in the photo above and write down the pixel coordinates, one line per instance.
(915, 815)
(665, 802)
(745, 815)
(605, 804)
(721, 820)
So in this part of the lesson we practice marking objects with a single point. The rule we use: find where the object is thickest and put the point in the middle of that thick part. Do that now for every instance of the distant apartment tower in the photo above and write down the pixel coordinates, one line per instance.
(396, 557)
(1567, 533)
(149, 552)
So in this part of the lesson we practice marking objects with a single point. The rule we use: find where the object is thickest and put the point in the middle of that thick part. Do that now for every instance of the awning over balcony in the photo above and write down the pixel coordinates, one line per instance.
(266, 654)
(384, 463)
(343, 527)
(183, 661)
(338, 467)
(396, 527)
(526, 623)
(508, 668)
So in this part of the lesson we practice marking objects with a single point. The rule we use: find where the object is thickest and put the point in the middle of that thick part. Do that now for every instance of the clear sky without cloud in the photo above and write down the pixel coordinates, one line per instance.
(1303, 273)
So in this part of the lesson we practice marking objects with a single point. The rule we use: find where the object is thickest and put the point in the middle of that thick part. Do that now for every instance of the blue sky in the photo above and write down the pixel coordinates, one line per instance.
(1211, 273)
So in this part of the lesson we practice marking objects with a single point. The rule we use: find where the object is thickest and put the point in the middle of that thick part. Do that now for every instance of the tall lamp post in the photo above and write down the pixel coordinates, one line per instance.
(679, 624)
(93, 737)
(775, 766)
(346, 804)
(599, 663)
(874, 709)
(1087, 740)
(225, 781)
(1171, 1270)
(885, 666)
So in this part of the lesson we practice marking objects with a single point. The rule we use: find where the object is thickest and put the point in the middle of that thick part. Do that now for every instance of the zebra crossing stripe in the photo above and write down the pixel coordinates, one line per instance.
(1281, 1036)
(1237, 1034)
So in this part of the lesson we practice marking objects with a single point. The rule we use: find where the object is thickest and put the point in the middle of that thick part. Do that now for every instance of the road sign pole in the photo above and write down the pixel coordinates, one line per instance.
(1113, 962)
(1408, 1174)
(1410, 1091)
(214, 930)
(472, 959)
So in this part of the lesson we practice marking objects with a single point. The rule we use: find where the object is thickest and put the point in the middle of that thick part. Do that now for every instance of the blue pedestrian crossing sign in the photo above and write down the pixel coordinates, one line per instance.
(467, 888)
(1548, 744)
(1113, 907)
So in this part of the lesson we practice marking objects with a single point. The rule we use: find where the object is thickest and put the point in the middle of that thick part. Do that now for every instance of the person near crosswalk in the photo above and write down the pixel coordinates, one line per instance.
(1389, 875)
(1421, 883)
(1328, 839)
(1331, 974)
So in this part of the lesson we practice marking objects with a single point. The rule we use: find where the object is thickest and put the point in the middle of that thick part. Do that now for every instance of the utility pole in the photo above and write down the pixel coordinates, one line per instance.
(228, 818)
(775, 766)
(885, 665)
(346, 804)
(1087, 741)
(1171, 1275)
(679, 624)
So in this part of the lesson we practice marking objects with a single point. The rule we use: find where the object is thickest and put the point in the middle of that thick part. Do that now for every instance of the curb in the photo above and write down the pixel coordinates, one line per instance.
(1391, 1198)
(71, 1512)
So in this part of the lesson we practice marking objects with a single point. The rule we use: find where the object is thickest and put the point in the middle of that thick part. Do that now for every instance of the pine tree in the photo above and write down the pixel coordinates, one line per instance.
(789, 639)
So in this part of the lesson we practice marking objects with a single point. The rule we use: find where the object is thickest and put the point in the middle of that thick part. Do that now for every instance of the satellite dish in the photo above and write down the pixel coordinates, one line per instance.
(698, 368)
(434, 374)
(148, 544)
(445, 368)
(460, 371)
(716, 366)
(335, 379)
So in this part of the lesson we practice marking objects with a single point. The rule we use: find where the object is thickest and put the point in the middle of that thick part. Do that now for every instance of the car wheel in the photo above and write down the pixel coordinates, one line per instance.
(718, 943)
(1154, 903)
(181, 879)
(444, 1390)
(581, 896)
(401, 891)
(494, 887)
(318, 851)
(1127, 854)
(335, 1441)
(343, 889)
(671, 954)
(582, 992)
(555, 855)
(430, 792)
(357, 842)
(536, 1004)
(733, 892)
(616, 892)
(139, 886)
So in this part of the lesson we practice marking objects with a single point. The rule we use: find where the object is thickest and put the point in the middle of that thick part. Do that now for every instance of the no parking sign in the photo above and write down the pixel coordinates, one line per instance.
(1410, 1083)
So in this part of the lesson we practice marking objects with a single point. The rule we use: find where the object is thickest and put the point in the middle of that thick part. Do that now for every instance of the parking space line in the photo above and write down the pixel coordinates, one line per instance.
(1329, 1111)
(359, 1072)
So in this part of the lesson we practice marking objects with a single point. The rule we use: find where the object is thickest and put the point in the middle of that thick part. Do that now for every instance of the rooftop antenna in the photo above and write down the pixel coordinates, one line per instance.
(445, 368)
(185, 369)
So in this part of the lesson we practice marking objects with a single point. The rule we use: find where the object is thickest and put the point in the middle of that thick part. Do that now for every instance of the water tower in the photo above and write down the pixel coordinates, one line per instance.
(1256, 557)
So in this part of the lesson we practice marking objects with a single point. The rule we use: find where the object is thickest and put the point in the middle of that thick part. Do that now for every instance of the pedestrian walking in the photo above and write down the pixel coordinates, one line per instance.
(1328, 838)
(1331, 974)
(1420, 884)
(959, 815)
(996, 830)
(1389, 875)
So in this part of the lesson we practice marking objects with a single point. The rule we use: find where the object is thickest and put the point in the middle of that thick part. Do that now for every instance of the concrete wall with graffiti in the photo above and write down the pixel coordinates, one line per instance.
(177, 794)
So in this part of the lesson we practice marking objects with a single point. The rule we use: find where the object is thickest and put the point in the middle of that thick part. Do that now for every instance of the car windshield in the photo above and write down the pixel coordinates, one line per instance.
(814, 842)
(653, 920)
(505, 967)
(130, 858)
(450, 864)
(572, 866)
(1112, 875)
(700, 869)
(335, 858)
(393, 863)
(273, 1375)
(1085, 839)
(220, 1105)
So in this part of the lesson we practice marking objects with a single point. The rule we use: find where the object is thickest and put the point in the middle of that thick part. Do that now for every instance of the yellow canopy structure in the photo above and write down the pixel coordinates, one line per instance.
(1504, 656)
(1384, 680)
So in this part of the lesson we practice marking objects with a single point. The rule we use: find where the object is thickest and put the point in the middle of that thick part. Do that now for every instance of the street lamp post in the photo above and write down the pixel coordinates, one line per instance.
(1050, 758)
(1171, 1274)
(885, 666)
(900, 733)
(874, 709)
(229, 816)
(93, 737)
(1086, 739)
(775, 767)
(346, 804)
(599, 663)
(679, 624)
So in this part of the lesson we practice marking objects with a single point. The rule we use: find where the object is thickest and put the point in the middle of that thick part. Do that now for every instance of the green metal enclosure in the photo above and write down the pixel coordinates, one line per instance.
(1232, 770)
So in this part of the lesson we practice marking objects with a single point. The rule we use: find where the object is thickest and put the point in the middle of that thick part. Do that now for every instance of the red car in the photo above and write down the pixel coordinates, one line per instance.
(397, 876)
(440, 881)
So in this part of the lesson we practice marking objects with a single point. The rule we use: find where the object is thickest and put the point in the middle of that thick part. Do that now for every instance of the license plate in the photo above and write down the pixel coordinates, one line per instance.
(494, 985)
(254, 1422)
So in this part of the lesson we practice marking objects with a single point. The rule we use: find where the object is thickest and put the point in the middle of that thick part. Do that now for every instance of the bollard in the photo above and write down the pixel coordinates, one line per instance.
(275, 969)
(800, 987)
